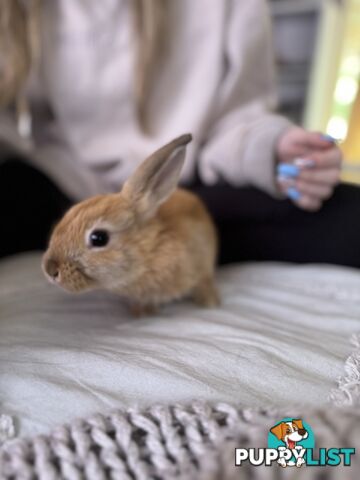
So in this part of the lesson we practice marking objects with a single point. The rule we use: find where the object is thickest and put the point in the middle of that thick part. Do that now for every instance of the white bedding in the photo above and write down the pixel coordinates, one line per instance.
(280, 337)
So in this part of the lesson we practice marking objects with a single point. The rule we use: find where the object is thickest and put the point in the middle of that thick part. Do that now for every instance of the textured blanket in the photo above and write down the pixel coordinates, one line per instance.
(197, 441)
(170, 436)
(280, 338)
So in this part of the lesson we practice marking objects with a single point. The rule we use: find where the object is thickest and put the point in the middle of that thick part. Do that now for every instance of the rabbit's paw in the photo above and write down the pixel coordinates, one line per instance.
(205, 294)
(139, 310)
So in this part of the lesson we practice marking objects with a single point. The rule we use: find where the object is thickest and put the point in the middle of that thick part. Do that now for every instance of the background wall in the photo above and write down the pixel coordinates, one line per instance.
(317, 47)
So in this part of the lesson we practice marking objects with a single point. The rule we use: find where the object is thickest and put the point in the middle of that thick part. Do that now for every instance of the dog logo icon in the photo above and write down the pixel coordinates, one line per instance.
(290, 433)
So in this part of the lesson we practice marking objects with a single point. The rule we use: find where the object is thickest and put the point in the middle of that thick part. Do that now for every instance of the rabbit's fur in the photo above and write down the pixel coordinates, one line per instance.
(162, 243)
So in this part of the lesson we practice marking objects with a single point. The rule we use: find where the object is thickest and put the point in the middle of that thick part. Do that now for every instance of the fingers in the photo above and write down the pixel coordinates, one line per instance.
(325, 159)
(302, 199)
(316, 140)
(309, 176)
(329, 176)
(295, 189)
(298, 142)
(309, 203)
(306, 195)
(315, 190)
(324, 176)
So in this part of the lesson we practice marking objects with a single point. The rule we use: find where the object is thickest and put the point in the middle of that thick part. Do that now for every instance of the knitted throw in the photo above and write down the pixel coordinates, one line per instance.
(192, 442)
(174, 442)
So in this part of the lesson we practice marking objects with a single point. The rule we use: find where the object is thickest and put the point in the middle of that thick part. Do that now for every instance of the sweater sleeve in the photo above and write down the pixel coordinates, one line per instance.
(240, 145)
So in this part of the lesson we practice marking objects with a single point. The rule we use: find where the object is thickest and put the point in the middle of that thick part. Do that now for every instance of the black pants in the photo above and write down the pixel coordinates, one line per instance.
(252, 225)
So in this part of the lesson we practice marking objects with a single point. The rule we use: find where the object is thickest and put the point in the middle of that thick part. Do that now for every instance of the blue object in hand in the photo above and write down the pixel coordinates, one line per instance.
(288, 170)
(293, 193)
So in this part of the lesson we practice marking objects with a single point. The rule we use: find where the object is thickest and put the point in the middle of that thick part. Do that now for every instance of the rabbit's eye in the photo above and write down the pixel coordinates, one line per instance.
(98, 238)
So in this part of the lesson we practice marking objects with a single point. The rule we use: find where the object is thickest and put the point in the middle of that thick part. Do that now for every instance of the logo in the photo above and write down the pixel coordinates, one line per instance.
(291, 443)
(291, 438)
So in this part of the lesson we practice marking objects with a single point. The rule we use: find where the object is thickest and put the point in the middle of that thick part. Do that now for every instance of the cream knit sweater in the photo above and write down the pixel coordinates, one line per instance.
(218, 84)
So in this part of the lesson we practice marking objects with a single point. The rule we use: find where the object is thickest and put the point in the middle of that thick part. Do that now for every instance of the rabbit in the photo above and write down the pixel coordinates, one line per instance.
(151, 243)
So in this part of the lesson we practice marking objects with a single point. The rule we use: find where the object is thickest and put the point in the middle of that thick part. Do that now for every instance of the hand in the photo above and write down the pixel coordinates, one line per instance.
(309, 167)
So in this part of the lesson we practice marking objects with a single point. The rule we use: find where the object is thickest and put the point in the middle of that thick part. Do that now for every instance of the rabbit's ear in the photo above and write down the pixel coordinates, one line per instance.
(157, 177)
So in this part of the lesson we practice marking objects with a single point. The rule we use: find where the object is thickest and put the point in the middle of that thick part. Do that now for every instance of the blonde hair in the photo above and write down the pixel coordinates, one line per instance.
(19, 47)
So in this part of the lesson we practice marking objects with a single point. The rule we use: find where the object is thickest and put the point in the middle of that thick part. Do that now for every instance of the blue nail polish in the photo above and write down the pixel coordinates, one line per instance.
(328, 138)
(287, 170)
(293, 193)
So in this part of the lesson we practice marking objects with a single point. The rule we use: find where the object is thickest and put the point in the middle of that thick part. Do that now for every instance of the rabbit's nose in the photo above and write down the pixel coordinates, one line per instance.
(52, 268)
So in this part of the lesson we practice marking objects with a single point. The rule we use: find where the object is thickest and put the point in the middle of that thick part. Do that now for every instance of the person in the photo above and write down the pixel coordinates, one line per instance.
(106, 83)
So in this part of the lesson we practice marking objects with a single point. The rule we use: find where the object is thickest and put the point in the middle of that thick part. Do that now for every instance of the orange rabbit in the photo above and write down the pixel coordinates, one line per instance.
(150, 243)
